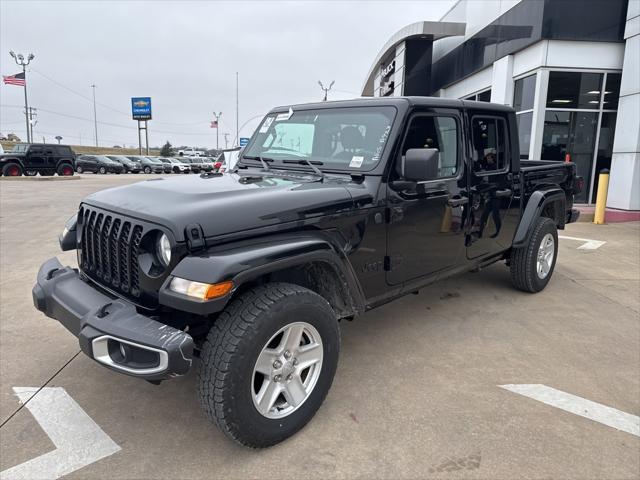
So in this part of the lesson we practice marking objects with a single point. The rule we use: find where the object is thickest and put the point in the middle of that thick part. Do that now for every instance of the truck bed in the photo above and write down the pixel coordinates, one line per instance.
(538, 174)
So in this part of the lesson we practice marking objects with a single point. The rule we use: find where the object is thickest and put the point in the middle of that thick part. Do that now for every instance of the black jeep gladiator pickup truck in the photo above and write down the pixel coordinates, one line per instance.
(332, 210)
(43, 158)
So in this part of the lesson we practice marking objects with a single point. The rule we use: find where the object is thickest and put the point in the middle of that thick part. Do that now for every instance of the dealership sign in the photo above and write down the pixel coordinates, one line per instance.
(141, 108)
(388, 70)
(244, 141)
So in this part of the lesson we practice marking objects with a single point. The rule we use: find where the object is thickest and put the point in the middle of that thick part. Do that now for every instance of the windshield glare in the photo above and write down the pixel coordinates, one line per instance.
(342, 138)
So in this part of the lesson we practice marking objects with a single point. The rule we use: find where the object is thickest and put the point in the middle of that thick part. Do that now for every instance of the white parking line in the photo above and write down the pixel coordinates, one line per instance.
(579, 406)
(588, 245)
(78, 439)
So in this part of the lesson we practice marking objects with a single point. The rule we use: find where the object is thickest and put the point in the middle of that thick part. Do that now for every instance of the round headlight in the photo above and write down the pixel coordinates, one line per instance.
(164, 249)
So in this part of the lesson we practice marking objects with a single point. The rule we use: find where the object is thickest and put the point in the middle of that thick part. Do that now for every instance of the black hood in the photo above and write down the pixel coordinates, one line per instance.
(225, 204)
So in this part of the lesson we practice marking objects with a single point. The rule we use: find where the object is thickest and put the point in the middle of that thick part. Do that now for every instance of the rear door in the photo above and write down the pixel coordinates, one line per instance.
(489, 228)
(425, 232)
(51, 155)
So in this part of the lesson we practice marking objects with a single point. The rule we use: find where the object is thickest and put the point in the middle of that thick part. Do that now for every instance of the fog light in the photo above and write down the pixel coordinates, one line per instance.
(201, 291)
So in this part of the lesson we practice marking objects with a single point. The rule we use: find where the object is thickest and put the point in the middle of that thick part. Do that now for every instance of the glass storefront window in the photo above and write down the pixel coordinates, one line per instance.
(571, 133)
(524, 132)
(612, 91)
(605, 147)
(524, 92)
(574, 90)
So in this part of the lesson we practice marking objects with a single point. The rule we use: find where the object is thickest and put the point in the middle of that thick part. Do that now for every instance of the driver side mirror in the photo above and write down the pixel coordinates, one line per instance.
(420, 164)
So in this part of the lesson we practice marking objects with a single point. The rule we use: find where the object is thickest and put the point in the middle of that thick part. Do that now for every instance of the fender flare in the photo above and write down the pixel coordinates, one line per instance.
(247, 260)
(535, 206)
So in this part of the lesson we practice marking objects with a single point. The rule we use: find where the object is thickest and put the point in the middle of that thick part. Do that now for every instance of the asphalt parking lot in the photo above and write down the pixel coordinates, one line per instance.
(417, 393)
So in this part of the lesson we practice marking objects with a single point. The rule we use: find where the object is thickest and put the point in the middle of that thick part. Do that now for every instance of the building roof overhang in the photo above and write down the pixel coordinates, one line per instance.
(436, 30)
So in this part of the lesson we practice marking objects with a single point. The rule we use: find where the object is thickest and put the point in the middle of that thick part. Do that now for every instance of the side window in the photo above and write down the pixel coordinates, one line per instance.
(49, 151)
(441, 133)
(35, 151)
(488, 135)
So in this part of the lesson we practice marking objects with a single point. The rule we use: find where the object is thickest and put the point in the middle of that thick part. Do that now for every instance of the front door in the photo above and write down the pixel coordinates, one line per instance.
(425, 233)
(489, 229)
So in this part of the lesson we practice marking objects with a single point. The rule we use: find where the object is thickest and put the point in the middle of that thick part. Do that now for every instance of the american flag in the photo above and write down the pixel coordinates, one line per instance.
(17, 79)
(214, 124)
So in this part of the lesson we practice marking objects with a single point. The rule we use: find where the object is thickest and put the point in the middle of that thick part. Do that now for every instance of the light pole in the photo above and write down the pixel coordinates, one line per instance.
(95, 118)
(19, 59)
(326, 90)
(217, 115)
(58, 138)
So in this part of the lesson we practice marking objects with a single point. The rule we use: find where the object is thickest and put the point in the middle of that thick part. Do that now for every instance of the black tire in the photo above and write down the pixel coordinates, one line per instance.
(524, 260)
(31, 173)
(147, 170)
(79, 169)
(12, 169)
(65, 170)
(102, 170)
(238, 336)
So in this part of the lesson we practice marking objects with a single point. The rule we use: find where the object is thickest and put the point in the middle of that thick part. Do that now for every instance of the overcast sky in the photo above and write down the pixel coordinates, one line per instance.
(184, 55)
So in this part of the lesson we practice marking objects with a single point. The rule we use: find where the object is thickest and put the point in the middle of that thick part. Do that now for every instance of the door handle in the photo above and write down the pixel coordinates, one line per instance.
(503, 193)
(457, 201)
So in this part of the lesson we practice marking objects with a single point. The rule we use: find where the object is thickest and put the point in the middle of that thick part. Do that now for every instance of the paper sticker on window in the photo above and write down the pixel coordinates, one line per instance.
(266, 124)
(356, 161)
(284, 116)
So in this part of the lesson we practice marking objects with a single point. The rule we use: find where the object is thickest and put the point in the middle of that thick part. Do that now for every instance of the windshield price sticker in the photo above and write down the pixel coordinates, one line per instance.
(284, 116)
(266, 124)
(356, 161)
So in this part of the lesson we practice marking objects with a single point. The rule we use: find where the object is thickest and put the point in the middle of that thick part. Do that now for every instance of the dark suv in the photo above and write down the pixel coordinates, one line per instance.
(130, 166)
(97, 164)
(149, 165)
(43, 158)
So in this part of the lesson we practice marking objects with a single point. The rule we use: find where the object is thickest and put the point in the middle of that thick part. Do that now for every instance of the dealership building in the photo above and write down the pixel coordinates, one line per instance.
(570, 69)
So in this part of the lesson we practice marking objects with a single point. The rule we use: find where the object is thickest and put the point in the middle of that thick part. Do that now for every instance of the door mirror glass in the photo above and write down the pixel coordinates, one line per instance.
(420, 164)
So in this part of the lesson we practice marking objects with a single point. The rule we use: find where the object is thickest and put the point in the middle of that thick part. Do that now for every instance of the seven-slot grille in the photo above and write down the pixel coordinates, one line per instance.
(110, 246)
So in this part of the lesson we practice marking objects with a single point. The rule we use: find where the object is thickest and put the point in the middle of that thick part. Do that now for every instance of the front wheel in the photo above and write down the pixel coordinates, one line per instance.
(102, 170)
(532, 265)
(147, 169)
(79, 169)
(268, 363)
(12, 170)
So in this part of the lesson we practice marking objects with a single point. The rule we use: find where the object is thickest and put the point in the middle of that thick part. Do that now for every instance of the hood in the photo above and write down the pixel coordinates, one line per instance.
(225, 204)
(12, 154)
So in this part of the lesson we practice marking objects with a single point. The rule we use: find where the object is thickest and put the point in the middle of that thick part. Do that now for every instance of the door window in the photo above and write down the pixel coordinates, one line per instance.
(441, 133)
(489, 144)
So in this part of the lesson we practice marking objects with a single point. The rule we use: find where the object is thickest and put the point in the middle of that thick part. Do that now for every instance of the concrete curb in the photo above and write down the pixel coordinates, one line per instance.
(40, 179)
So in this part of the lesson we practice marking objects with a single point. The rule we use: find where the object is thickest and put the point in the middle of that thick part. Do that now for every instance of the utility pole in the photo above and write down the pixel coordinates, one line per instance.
(217, 115)
(237, 110)
(326, 90)
(19, 59)
(95, 118)
(226, 140)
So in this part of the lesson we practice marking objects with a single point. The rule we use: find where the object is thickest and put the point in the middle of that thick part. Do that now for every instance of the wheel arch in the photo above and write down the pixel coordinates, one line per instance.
(549, 203)
(309, 260)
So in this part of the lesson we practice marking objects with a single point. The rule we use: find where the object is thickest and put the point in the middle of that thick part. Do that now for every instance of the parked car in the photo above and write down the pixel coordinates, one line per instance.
(97, 164)
(166, 164)
(43, 158)
(148, 164)
(130, 166)
(178, 166)
(377, 199)
(198, 164)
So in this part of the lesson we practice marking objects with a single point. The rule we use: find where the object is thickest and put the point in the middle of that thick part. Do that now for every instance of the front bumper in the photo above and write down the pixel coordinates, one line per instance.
(109, 329)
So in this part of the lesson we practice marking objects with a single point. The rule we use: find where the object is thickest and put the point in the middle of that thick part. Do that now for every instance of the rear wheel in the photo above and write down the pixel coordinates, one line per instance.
(79, 169)
(65, 170)
(268, 363)
(147, 169)
(532, 265)
(12, 170)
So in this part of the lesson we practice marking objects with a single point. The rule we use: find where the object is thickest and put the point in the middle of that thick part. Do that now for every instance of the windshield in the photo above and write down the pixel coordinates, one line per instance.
(105, 159)
(21, 148)
(153, 160)
(342, 138)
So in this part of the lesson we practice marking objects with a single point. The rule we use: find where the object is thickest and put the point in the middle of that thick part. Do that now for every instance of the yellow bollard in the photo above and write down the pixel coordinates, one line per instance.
(601, 197)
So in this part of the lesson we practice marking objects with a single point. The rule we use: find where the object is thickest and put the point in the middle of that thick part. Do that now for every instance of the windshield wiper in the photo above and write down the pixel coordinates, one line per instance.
(306, 161)
(262, 159)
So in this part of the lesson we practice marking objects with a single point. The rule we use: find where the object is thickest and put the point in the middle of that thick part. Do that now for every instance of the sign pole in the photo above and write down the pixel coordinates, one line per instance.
(146, 135)
(139, 140)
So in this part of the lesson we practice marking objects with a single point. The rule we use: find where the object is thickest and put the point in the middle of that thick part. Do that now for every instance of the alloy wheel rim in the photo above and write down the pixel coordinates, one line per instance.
(546, 251)
(287, 370)
(13, 172)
